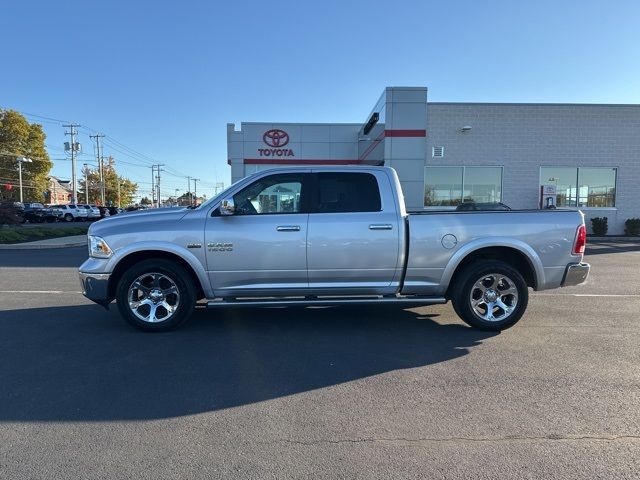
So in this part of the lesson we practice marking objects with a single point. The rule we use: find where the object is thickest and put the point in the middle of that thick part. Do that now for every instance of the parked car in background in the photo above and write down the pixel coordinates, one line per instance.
(54, 213)
(481, 207)
(93, 212)
(73, 212)
(37, 213)
(109, 211)
(104, 212)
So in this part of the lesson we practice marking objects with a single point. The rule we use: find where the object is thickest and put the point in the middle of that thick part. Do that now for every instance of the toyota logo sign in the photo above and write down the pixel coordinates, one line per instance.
(276, 138)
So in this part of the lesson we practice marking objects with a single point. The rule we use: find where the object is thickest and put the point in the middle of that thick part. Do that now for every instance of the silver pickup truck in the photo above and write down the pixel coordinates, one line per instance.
(328, 236)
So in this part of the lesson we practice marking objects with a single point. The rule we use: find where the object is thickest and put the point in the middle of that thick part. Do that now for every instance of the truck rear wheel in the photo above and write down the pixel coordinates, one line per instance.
(156, 295)
(490, 295)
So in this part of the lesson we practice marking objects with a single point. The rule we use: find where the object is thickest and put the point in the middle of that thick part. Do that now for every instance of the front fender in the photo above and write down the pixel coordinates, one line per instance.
(94, 265)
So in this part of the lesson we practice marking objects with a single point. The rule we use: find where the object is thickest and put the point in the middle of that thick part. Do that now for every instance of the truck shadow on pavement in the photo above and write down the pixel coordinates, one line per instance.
(81, 363)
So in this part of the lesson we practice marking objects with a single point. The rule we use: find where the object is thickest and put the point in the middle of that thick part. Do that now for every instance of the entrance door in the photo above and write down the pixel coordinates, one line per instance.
(261, 249)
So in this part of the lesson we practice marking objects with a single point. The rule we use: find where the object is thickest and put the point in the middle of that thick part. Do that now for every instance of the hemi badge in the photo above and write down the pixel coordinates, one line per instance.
(194, 245)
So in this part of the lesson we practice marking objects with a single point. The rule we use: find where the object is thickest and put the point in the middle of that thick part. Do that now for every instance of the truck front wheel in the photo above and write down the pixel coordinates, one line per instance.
(490, 295)
(156, 295)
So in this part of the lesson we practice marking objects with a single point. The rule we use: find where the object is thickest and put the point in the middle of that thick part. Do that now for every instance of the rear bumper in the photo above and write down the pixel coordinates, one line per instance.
(95, 286)
(575, 274)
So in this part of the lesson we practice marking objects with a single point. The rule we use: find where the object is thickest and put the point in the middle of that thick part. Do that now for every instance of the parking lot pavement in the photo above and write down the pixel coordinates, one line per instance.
(320, 392)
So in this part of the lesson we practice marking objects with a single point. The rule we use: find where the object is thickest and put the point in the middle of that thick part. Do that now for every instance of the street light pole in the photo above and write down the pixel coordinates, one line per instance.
(22, 160)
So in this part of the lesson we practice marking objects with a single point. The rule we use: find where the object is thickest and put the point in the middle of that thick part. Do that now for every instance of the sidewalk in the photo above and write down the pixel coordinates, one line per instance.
(612, 239)
(60, 242)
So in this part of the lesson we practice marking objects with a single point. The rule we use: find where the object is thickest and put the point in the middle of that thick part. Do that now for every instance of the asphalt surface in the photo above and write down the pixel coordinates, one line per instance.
(320, 392)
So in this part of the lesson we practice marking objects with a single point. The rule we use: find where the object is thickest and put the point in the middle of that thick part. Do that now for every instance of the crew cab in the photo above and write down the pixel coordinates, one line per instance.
(328, 236)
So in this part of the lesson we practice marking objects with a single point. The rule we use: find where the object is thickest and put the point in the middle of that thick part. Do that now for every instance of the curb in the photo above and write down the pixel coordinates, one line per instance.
(39, 245)
(26, 246)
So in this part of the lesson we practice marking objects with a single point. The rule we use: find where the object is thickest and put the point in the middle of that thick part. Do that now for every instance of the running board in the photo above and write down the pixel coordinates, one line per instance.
(323, 301)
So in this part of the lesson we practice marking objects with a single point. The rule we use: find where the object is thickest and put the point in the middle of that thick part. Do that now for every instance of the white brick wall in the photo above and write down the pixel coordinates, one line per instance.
(523, 137)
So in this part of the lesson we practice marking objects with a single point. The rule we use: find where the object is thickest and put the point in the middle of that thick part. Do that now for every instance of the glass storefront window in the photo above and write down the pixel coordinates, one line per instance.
(450, 186)
(596, 187)
(581, 187)
(442, 186)
(564, 178)
(482, 184)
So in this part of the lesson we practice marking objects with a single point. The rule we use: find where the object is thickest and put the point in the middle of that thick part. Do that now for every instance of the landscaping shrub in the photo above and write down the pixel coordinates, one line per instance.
(632, 226)
(8, 215)
(599, 225)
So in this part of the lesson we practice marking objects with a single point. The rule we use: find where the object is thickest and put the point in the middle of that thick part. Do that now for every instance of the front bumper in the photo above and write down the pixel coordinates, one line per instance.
(575, 274)
(95, 286)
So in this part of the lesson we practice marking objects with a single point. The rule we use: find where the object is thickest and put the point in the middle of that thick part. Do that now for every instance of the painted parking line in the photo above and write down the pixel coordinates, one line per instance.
(585, 295)
(37, 291)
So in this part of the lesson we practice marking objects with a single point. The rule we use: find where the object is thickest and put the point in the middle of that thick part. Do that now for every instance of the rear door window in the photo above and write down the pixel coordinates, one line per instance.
(347, 192)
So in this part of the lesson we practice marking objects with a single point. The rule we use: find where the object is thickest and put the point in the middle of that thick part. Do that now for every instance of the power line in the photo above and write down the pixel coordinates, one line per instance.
(141, 160)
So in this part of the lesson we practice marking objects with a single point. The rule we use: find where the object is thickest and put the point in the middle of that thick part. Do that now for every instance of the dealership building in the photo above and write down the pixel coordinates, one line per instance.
(526, 155)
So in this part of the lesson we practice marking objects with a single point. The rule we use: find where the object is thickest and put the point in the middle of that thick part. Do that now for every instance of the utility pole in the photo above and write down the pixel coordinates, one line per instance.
(195, 189)
(158, 183)
(86, 184)
(189, 190)
(118, 181)
(98, 136)
(153, 183)
(73, 148)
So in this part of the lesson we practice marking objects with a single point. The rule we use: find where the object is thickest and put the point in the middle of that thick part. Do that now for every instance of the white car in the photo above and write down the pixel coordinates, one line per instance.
(73, 212)
(93, 212)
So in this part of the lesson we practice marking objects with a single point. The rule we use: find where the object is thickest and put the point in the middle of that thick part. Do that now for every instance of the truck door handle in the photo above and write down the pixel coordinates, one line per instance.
(288, 228)
(380, 226)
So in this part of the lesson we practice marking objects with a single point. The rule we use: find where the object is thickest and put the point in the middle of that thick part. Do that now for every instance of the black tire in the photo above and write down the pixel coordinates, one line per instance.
(167, 268)
(68, 217)
(465, 285)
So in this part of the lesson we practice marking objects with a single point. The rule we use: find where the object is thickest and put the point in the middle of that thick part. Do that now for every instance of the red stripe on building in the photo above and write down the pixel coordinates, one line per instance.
(294, 161)
(405, 133)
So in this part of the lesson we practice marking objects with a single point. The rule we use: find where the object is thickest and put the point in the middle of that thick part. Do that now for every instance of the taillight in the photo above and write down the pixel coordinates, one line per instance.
(581, 240)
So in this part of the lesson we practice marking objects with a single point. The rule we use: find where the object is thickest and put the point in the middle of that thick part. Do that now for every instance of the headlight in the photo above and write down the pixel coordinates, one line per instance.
(98, 248)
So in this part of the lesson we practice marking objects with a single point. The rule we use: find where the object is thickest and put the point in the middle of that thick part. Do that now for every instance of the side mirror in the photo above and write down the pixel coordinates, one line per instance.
(227, 207)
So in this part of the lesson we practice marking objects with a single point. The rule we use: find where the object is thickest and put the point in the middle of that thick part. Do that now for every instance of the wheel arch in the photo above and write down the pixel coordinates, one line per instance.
(136, 256)
(519, 255)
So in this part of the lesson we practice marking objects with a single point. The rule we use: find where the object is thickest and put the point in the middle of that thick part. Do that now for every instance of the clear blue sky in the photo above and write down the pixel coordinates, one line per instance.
(164, 78)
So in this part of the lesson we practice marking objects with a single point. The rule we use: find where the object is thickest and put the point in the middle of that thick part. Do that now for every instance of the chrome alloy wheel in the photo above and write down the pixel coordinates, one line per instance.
(153, 297)
(494, 297)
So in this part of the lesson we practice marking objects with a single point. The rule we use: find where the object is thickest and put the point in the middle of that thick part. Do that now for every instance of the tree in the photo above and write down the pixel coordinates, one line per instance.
(127, 189)
(19, 138)
(145, 201)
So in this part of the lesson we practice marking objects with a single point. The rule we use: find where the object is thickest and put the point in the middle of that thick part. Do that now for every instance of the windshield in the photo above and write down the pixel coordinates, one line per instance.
(218, 197)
